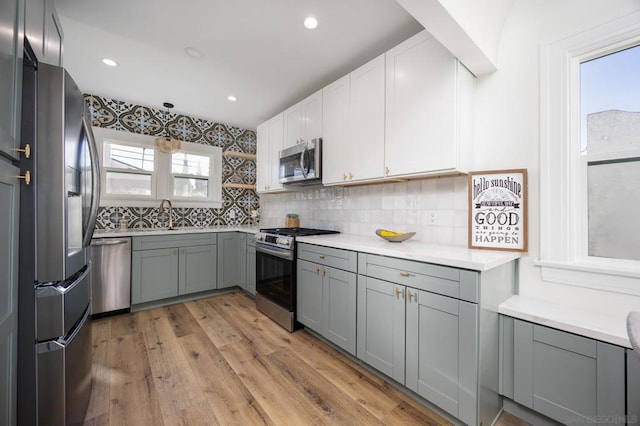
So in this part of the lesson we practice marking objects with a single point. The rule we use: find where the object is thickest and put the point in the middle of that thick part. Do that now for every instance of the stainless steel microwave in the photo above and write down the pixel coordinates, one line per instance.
(301, 164)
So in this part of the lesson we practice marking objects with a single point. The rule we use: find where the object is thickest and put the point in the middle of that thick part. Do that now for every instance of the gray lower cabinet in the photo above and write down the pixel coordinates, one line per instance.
(154, 275)
(228, 259)
(196, 269)
(43, 30)
(242, 260)
(326, 293)
(251, 265)
(381, 326)
(569, 378)
(633, 387)
(9, 199)
(11, 52)
(167, 266)
(435, 330)
(442, 351)
(423, 340)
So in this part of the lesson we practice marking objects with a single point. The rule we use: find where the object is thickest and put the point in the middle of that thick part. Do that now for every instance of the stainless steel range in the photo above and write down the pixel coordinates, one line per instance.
(276, 272)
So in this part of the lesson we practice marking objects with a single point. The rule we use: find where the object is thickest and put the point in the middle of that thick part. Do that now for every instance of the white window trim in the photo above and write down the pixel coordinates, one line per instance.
(563, 215)
(162, 178)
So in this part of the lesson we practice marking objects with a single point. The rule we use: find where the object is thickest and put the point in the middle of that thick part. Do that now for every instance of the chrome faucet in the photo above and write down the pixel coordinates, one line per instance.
(161, 209)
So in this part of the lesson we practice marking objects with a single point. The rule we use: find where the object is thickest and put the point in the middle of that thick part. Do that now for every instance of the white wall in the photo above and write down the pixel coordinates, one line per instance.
(507, 123)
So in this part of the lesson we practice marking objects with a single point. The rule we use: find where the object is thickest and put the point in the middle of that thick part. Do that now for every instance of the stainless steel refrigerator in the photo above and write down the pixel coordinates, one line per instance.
(58, 213)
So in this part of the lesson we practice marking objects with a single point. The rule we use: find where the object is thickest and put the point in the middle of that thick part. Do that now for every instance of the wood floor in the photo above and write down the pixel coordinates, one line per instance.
(219, 361)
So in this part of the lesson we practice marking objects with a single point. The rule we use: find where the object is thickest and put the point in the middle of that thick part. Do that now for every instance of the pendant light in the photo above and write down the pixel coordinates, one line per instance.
(166, 143)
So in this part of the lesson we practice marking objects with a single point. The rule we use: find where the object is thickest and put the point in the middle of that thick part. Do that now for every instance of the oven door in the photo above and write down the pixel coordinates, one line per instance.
(275, 275)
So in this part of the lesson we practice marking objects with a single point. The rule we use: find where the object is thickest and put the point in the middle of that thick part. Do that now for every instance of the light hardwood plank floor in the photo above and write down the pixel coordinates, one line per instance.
(218, 361)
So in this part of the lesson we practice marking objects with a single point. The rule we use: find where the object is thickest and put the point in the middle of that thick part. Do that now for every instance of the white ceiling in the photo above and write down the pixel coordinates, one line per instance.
(257, 50)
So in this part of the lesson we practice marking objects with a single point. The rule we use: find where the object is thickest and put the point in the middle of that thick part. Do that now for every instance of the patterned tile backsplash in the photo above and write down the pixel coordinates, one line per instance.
(237, 203)
(436, 209)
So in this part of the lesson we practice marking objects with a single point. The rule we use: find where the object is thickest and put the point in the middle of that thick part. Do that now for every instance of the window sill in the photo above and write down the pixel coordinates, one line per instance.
(625, 280)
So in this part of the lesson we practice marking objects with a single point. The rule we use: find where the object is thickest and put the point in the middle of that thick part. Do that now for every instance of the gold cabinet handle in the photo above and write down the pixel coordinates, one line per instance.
(386, 170)
(322, 256)
(344, 176)
(410, 295)
(324, 272)
(350, 176)
(26, 176)
(26, 150)
(318, 270)
(398, 292)
(404, 273)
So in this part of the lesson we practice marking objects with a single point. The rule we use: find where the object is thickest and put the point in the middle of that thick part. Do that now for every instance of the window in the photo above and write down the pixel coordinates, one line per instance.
(610, 151)
(590, 158)
(129, 170)
(135, 174)
(190, 175)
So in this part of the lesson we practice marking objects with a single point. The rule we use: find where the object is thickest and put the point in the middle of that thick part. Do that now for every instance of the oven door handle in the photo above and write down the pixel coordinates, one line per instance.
(288, 254)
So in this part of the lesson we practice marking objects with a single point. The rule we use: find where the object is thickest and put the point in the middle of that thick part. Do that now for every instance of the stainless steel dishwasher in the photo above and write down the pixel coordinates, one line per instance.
(110, 275)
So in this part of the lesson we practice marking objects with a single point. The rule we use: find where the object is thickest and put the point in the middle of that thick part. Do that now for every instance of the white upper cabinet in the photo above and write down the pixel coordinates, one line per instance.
(429, 106)
(335, 130)
(365, 148)
(407, 113)
(270, 143)
(292, 125)
(303, 121)
(312, 116)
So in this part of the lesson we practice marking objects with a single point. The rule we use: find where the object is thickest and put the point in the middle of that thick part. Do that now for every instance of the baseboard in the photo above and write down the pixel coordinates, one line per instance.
(526, 414)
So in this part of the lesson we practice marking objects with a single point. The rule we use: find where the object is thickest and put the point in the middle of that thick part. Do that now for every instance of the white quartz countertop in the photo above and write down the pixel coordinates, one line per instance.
(607, 328)
(456, 256)
(133, 232)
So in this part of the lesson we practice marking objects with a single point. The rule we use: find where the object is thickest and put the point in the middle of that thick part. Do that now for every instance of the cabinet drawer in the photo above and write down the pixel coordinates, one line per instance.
(335, 258)
(452, 282)
(167, 241)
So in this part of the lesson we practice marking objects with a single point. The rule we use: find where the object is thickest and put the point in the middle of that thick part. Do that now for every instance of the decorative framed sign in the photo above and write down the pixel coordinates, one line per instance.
(498, 210)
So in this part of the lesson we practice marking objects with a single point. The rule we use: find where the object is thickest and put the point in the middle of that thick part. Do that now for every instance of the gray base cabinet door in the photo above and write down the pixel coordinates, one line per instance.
(228, 266)
(339, 308)
(309, 297)
(9, 199)
(633, 387)
(10, 75)
(442, 352)
(251, 270)
(381, 326)
(326, 303)
(242, 261)
(197, 267)
(569, 378)
(154, 275)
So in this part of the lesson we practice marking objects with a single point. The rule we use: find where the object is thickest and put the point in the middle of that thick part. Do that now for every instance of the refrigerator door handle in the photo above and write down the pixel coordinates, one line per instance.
(95, 182)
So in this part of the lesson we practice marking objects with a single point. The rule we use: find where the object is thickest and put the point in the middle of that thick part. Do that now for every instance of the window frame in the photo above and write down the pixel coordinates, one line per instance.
(162, 177)
(563, 193)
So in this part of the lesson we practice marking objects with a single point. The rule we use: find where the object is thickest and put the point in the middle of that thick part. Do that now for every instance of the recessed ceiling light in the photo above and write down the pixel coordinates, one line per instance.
(109, 62)
(310, 22)
(232, 98)
(193, 52)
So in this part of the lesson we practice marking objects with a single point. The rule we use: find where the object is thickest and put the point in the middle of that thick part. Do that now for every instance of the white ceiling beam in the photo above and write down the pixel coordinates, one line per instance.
(470, 29)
